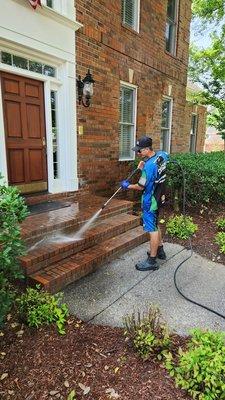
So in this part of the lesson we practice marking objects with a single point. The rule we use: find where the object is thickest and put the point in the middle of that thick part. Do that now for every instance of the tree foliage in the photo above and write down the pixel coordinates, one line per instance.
(209, 10)
(207, 66)
(12, 212)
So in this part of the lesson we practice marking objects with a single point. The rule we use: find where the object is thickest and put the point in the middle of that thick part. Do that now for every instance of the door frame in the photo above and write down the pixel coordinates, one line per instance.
(64, 85)
(27, 187)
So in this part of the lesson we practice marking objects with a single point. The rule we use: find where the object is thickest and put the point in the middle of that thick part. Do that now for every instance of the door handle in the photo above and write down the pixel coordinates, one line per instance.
(43, 141)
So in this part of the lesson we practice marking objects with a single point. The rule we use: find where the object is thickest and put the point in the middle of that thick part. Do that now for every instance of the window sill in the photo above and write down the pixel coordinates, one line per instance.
(132, 30)
(126, 159)
(174, 56)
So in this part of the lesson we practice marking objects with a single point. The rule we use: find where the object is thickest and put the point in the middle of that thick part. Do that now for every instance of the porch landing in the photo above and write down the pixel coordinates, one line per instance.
(56, 264)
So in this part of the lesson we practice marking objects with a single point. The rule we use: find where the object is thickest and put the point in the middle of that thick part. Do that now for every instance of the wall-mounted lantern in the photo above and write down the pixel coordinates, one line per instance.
(85, 89)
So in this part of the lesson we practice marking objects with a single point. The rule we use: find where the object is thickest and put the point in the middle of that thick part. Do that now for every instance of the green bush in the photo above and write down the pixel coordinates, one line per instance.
(220, 240)
(12, 212)
(72, 395)
(205, 177)
(181, 226)
(221, 224)
(37, 307)
(201, 369)
(148, 334)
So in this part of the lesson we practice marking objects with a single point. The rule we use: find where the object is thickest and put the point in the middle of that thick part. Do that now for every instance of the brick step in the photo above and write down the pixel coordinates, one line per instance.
(50, 253)
(35, 227)
(58, 275)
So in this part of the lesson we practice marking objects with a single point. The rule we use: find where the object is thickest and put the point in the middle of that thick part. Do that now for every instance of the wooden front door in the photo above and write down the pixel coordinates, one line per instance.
(24, 121)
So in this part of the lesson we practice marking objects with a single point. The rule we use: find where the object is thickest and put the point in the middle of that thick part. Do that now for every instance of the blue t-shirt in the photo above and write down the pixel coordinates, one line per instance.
(152, 173)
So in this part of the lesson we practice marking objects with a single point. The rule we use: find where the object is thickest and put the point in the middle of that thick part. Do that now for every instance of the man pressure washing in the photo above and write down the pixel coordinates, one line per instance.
(152, 184)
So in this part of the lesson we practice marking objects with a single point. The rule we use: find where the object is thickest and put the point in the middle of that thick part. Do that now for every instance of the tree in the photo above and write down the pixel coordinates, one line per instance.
(207, 66)
(209, 10)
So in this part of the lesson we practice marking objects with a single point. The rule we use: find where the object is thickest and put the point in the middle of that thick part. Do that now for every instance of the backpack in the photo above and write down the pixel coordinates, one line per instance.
(159, 190)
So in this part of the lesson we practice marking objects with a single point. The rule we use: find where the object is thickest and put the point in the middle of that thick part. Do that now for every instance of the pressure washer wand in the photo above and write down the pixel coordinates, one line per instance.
(129, 177)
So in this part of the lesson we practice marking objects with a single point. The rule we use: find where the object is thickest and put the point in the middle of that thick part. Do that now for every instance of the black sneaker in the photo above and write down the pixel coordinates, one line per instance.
(160, 253)
(147, 265)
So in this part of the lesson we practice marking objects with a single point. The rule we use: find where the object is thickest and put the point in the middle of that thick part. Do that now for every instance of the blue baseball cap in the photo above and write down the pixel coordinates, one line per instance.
(142, 143)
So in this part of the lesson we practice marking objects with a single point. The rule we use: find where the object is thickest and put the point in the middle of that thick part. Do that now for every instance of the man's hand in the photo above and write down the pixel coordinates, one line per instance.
(141, 165)
(124, 184)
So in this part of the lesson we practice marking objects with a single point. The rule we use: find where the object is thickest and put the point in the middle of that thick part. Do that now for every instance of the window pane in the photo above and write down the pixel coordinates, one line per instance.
(20, 62)
(50, 71)
(49, 3)
(170, 37)
(126, 140)
(35, 67)
(166, 125)
(166, 114)
(171, 10)
(193, 133)
(128, 10)
(6, 58)
(53, 119)
(126, 127)
(165, 140)
(127, 105)
(54, 135)
(193, 124)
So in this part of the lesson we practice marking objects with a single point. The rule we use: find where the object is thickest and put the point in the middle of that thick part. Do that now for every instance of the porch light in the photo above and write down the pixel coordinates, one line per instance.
(85, 89)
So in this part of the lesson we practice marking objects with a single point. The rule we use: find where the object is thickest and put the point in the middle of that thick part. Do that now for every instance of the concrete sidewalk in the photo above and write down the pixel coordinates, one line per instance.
(118, 289)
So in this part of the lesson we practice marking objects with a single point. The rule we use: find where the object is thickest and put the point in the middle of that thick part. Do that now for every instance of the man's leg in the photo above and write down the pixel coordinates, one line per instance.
(154, 243)
(150, 225)
(160, 237)
(159, 252)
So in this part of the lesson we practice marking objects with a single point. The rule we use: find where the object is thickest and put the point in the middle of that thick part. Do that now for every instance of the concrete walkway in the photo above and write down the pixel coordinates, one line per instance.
(118, 289)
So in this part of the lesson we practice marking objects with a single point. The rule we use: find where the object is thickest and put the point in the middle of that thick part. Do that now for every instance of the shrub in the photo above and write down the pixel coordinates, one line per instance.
(181, 226)
(221, 224)
(220, 240)
(201, 369)
(202, 170)
(147, 332)
(37, 307)
(12, 212)
(72, 395)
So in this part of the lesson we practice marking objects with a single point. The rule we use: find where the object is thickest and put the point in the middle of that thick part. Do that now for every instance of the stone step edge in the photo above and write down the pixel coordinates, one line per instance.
(74, 222)
(42, 259)
(56, 277)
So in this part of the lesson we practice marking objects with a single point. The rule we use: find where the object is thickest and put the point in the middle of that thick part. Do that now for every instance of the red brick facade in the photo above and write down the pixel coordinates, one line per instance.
(109, 49)
(201, 112)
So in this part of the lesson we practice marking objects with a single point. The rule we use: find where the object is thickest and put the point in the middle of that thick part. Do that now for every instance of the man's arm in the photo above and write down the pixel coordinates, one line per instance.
(136, 187)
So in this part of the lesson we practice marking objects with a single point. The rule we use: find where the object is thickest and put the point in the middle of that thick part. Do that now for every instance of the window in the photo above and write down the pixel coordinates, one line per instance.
(193, 133)
(171, 26)
(21, 62)
(166, 124)
(130, 13)
(49, 3)
(127, 124)
(54, 134)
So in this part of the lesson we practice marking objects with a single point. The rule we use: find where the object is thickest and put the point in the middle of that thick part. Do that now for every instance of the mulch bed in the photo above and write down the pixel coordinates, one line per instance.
(93, 360)
(203, 242)
(43, 365)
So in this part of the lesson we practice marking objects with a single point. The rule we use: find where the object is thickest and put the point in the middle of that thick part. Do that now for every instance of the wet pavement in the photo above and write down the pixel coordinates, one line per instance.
(117, 289)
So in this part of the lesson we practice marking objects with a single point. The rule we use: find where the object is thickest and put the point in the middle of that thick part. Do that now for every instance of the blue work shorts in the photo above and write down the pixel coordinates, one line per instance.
(150, 220)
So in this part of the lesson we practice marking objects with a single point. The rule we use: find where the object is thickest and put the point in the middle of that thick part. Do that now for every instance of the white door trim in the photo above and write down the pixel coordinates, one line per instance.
(65, 86)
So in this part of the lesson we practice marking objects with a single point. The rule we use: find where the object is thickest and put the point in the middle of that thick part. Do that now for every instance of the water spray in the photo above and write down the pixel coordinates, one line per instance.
(60, 238)
(118, 190)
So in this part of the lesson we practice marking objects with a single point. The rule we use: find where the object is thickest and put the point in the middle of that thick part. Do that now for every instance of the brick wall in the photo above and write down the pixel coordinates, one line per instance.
(110, 50)
(201, 112)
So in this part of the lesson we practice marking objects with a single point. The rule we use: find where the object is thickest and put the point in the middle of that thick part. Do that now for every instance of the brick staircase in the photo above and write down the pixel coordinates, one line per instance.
(56, 264)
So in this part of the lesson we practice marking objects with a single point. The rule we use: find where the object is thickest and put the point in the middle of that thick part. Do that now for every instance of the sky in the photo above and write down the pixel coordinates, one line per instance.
(199, 38)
